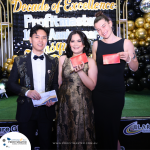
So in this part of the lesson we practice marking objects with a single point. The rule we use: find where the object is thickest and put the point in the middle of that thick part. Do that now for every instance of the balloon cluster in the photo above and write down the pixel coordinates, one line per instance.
(139, 31)
(133, 9)
(141, 78)
(139, 35)
(6, 69)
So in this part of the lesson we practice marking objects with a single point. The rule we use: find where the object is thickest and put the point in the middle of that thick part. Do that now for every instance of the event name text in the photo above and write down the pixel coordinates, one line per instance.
(67, 6)
(51, 21)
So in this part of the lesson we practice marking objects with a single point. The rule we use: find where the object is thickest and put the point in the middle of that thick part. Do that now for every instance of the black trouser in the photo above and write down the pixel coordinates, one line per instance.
(38, 121)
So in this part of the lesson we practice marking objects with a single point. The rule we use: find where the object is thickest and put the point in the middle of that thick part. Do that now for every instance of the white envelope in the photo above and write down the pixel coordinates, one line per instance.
(47, 96)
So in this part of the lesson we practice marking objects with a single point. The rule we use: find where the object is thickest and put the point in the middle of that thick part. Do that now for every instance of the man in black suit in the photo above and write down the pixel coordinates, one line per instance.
(38, 73)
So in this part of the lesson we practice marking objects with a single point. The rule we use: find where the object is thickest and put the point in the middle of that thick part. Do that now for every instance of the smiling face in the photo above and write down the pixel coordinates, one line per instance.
(76, 45)
(104, 28)
(39, 41)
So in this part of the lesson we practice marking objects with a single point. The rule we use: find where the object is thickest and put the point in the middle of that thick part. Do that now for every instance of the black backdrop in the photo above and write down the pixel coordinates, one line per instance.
(18, 21)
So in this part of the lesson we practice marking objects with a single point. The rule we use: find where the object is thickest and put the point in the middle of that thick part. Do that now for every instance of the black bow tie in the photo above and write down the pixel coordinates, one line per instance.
(40, 57)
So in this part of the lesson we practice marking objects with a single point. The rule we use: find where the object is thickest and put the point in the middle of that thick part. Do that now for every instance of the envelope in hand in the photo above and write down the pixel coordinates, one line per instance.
(77, 60)
(111, 59)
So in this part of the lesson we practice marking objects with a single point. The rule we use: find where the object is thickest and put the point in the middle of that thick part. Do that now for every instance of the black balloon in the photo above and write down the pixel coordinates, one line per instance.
(147, 70)
(121, 2)
(141, 48)
(131, 83)
(147, 59)
(126, 72)
(148, 78)
(140, 52)
(137, 1)
(139, 87)
(1, 71)
(141, 66)
(135, 4)
(137, 8)
(4, 74)
(137, 74)
(145, 51)
(126, 87)
(141, 59)
(137, 58)
(121, 13)
(131, 15)
(144, 83)
(139, 14)
(148, 49)
(129, 4)
(136, 50)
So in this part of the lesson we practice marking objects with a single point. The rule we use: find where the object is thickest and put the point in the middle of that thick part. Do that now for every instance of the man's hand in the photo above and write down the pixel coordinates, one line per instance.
(50, 103)
(33, 94)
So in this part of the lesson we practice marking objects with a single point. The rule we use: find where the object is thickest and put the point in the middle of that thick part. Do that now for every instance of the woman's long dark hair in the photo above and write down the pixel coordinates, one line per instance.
(84, 40)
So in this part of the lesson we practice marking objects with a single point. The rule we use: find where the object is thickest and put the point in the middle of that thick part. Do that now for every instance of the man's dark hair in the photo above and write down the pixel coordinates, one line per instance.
(36, 28)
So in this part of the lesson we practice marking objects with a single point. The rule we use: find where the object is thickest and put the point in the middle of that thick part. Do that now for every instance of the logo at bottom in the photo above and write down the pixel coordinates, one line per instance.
(14, 141)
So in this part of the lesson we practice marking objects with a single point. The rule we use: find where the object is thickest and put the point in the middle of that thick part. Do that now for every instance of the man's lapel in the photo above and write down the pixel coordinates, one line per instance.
(29, 70)
(47, 70)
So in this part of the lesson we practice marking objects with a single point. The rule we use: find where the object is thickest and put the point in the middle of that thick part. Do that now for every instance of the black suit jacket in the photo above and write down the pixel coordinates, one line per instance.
(22, 69)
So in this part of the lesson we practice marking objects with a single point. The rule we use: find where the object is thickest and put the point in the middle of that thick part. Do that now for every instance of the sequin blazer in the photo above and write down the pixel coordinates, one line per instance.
(22, 69)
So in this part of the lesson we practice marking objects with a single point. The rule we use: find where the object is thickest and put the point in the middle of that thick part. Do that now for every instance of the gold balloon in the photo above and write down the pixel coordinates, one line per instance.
(135, 42)
(147, 39)
(5, 66)
(13, 57)
(147, 20)
(134, 30)
(146, 26)
(3, 69)
(139, 22)
(121, 30)
(132, 36)
(140, 34)
(148, 32)
(146, 15)
(146, 44)
(9, 68)
(129, 32)
(8, 75)
(130, 25)
(142, 43)
(19, 81)
(9, 61)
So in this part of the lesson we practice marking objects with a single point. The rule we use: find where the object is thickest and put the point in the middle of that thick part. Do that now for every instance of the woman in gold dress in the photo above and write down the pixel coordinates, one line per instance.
(75, 122)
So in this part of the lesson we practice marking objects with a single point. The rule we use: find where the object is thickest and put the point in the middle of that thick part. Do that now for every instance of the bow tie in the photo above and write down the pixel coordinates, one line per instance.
(40, 57)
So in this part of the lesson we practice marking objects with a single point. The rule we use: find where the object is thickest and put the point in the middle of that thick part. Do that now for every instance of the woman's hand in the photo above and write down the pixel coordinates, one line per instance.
(125, 56)
(79, 67)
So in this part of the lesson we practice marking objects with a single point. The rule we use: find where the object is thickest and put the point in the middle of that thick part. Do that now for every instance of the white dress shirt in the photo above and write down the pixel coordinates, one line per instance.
(38, 70)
